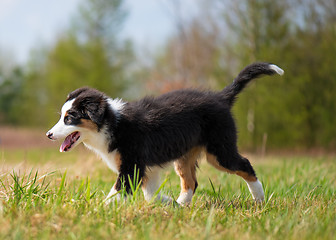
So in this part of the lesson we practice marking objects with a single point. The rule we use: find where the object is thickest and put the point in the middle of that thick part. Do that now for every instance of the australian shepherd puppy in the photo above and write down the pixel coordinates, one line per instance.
(147, 134)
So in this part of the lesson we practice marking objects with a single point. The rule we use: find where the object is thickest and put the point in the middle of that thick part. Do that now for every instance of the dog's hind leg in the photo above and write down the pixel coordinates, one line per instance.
(185, 167)
(236, 164)
(150, 185)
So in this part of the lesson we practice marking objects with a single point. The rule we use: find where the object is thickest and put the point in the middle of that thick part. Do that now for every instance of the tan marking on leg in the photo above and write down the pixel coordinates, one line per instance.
(186, 179)
(185, 167)
(246, 176)
(213, 161)
(85, 123)
(193, 172)
(117, 159)
(253, 183)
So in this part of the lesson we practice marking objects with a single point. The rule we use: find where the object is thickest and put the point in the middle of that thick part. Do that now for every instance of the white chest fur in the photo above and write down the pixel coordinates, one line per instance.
(98, 144)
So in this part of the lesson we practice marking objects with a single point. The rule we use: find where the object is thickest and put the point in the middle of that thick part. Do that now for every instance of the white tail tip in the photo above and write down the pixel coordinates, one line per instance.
(276, 69)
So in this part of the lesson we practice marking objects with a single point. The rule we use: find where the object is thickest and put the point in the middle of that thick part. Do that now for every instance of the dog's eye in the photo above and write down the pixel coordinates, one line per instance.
(67, 120)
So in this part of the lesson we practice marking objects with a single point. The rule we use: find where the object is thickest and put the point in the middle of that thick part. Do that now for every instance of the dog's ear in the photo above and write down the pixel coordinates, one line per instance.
(95, 109)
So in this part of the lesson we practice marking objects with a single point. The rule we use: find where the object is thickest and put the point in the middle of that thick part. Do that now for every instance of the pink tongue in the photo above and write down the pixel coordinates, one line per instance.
(66, 143)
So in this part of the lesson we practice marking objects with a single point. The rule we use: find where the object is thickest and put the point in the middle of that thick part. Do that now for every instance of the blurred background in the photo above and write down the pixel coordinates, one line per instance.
(134, 48)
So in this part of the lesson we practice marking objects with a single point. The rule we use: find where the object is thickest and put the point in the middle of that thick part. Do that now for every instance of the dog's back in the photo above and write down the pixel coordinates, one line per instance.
(166, 127)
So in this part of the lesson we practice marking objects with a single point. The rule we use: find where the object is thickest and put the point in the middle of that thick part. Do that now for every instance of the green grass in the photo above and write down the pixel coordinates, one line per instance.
(60, 196)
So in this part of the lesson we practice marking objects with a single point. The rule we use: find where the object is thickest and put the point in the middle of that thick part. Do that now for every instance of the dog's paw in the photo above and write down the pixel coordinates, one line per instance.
(109, 200)
(257, 191)
(185, 198)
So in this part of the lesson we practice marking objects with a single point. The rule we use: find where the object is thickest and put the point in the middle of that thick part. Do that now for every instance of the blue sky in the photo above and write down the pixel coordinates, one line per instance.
(24, 24)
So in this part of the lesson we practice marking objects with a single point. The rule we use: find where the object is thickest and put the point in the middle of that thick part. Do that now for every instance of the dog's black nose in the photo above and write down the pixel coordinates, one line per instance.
(49, 135)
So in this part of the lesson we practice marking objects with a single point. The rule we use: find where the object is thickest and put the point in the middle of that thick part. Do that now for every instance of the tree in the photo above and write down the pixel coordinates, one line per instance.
(295, 110)
(90, 53)
(312, 69)
(189, 58)
(10, 90)
(260, 32)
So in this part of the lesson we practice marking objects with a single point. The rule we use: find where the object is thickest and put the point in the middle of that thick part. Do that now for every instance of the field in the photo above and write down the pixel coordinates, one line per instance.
(48, 195)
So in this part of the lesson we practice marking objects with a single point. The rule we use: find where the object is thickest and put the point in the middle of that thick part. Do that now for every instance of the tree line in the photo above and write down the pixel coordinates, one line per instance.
(207, 50)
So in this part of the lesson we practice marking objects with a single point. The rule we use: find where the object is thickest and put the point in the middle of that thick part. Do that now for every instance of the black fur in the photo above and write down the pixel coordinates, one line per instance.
(91, 104)
(157, 130)
(244, 77)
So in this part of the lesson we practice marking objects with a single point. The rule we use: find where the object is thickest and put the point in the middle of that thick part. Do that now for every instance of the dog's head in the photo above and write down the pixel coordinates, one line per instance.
(81, 116)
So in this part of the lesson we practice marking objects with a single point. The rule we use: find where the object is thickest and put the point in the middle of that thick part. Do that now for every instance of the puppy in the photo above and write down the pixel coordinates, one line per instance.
(147, 134)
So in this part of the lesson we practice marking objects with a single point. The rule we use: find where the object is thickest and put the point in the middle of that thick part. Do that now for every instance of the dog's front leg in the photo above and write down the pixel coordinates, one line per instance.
(123, 186)
(185, 167)
(114, 195)
(119, 189)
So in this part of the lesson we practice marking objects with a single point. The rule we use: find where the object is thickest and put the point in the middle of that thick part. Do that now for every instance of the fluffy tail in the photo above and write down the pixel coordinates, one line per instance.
(246, 75)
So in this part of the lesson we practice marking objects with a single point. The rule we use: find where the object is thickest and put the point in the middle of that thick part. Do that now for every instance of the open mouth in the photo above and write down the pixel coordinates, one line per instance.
(69, 141)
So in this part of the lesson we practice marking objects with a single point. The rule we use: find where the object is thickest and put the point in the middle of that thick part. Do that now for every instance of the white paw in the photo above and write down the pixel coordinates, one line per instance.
(113, 196)
(112, 199)
(256, 190)
(185, 197)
